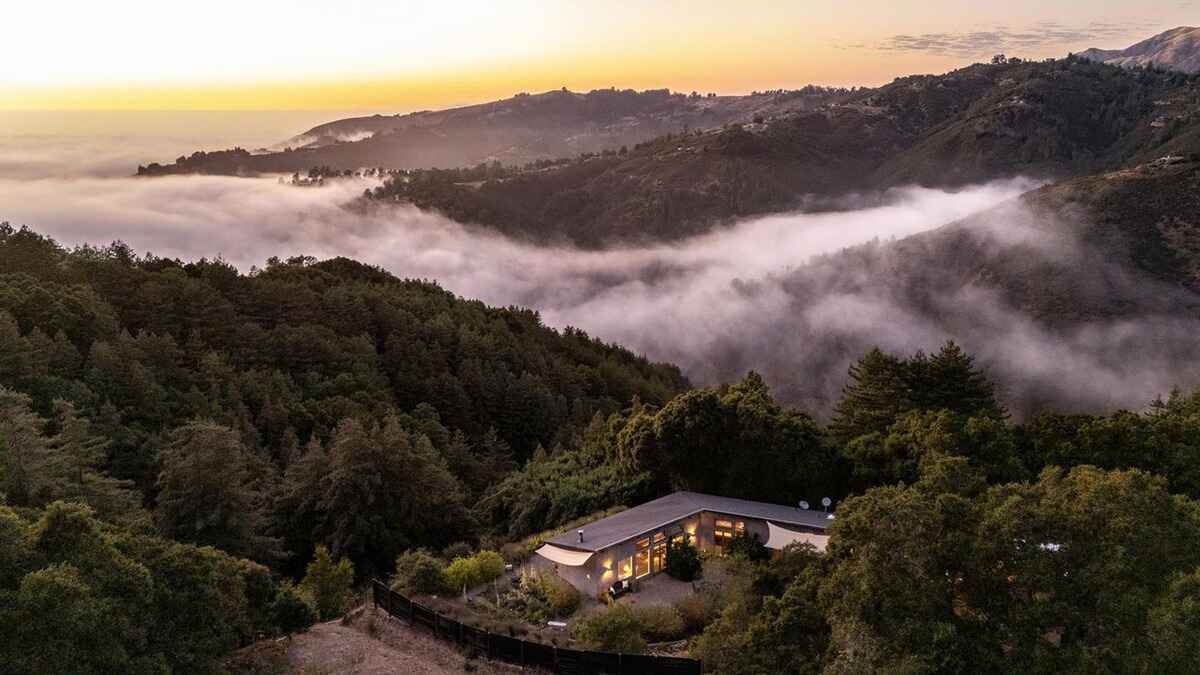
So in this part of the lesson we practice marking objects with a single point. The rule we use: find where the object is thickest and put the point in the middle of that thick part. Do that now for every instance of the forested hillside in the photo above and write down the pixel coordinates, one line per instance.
(513, 131)
(162, 362)
(163, 424)
(1054, 119)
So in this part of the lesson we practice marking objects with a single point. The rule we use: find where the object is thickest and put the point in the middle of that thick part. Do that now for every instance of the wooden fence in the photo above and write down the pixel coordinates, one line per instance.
(521, 652)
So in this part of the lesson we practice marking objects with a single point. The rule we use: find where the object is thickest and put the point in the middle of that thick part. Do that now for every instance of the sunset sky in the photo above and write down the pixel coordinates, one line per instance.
(399, 56)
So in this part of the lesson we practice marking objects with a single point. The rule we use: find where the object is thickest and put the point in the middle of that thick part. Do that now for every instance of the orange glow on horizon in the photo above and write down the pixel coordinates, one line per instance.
(417, 54)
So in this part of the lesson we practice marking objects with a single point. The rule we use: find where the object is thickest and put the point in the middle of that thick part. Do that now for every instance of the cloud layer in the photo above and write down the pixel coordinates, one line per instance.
(777, 294)
(1002, 39)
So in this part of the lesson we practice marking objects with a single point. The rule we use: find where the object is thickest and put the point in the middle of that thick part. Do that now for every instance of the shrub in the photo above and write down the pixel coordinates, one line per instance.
(490, 565)
(514, 552)
(615, 629)
(698, 610)
(459, 549)
(562, 597)
(469, 572)
(327, 583)
(290, 612)
(418, 571)
(460, 574)
(540, 597)
(683, 562)
(659, 623)
(747, 546)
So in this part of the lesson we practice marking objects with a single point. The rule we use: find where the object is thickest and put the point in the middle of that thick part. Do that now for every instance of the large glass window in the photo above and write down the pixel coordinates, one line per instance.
(625, 568)
(658, 554)
(641, 559)
(724, 530)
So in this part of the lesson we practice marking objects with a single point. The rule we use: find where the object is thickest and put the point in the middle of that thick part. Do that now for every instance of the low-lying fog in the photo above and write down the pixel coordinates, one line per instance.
(716, 305)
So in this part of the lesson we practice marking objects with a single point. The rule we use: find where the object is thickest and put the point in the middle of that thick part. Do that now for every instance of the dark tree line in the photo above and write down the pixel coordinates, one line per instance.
(163, 424)
(204, 394)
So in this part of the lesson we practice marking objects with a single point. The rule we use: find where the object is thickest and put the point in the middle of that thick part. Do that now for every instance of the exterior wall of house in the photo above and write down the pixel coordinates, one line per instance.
(603, 568)
(576, 575)
(708, 525)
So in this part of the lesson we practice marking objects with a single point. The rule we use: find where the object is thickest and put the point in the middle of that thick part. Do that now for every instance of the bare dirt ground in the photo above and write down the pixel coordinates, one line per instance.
(371, 643)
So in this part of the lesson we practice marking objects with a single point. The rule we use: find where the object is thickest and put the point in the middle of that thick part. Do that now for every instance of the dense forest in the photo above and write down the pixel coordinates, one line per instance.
(181, 443)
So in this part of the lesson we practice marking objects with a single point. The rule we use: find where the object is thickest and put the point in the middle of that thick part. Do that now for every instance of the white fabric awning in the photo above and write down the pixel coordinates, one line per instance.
(563, 556)
(780, 537)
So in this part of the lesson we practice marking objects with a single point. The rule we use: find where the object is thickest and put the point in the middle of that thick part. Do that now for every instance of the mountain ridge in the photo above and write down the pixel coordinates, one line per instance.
(1051, 120)
(514, 131)
(1177, 49)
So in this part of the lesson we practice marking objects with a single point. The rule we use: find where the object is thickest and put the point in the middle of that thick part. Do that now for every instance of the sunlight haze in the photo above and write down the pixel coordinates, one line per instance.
(272, 54)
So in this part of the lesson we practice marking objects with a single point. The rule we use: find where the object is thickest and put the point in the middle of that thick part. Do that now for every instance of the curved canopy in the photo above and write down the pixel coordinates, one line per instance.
(564, 557)
(780, 537)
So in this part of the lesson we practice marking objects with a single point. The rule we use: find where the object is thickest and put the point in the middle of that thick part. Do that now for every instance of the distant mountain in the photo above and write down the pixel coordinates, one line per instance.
(1053, 120)
(514, 131)
(1177, 49)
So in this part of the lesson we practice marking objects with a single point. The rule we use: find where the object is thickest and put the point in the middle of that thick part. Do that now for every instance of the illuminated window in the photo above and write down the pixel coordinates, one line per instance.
(625, 568)
(641, 559)
(723, 531)
(658, 554)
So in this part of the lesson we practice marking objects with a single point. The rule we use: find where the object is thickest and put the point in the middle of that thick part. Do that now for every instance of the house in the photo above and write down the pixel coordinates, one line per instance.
(633, 544)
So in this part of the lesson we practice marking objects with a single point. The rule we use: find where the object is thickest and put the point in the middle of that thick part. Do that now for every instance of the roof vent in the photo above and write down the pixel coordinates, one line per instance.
(581, 536)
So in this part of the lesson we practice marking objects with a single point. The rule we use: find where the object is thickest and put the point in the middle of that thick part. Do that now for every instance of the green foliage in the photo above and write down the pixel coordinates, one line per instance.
(893, 457)
(1085, 557)
(490, 565)
(747, 546)
(77, 597)
(683, 561)
(459, 549)
(698, 610)
(418, 572)
(562, 598)
(290, 612)
(146, 353)
(38, 467)
(615, 629)
(377, 490)
(882, 387)
(206, 493)
(659, 623)
(461, 575)
(734, 441)
(467, 573)
(327, 582)
(788, 634)
(556, 488)
(1173, 625)
(539, 597)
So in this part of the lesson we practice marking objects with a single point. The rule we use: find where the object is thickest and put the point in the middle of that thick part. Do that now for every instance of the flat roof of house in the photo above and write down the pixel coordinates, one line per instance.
(659, 513)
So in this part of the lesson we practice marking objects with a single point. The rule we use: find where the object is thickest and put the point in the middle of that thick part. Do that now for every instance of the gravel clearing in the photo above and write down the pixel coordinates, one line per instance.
(372, 643)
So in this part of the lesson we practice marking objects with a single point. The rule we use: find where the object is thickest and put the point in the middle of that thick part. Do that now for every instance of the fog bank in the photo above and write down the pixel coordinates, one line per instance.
(747, 296)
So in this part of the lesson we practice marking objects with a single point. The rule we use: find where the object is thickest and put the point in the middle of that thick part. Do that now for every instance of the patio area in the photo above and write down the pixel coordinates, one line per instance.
(659, 589)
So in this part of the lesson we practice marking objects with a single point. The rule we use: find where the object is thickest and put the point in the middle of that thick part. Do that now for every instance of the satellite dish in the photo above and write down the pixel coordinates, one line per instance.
(804, 505)
(825, 501)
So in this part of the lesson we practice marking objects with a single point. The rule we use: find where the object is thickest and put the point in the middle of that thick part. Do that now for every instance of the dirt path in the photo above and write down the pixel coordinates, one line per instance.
(373, 644)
